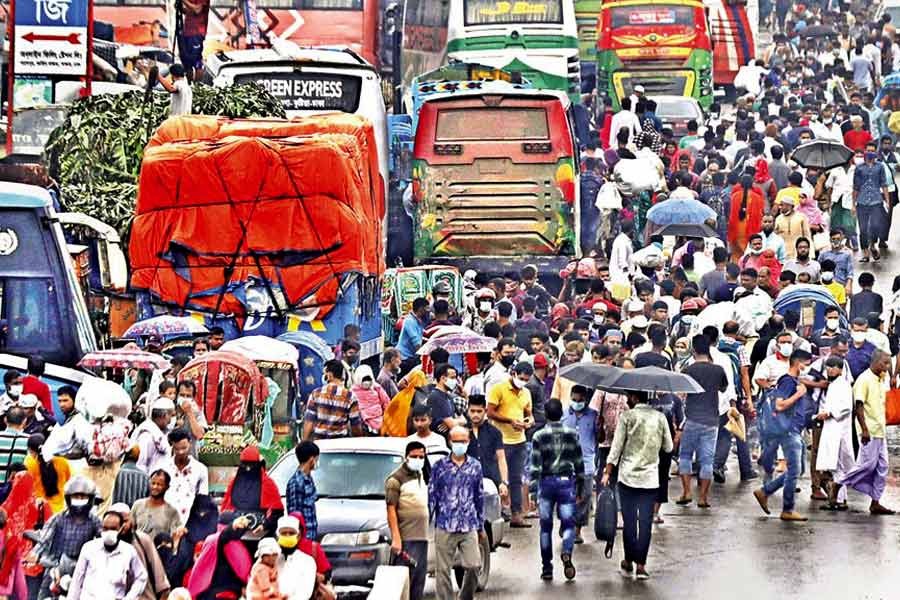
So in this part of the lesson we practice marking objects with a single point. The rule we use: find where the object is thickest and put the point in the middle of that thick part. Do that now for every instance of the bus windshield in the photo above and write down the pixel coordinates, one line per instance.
(454, 124)
(651, 15)
(30, 308)
(510, 12)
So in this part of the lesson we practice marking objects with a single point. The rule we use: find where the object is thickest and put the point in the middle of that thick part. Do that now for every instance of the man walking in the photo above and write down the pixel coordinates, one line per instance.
(871, 469)
(701, 423)
(406, 494)
(332, 411)
(557, 480)
(456, 503)
(108, 567)
(584, 421)
(789, 407)
(509, 407)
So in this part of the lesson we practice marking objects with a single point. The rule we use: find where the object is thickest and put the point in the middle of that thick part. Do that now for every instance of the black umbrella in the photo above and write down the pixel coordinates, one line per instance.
(822, 154)
(651, 379)
(698, 230)
(818, 31)
(589, 375)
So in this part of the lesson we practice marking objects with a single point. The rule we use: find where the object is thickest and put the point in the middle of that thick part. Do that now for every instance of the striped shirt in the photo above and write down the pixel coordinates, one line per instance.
(13, 450)
(333, 410)
(131, 485)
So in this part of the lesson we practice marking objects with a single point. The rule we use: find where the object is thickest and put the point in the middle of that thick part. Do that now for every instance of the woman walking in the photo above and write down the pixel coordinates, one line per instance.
(641, 434)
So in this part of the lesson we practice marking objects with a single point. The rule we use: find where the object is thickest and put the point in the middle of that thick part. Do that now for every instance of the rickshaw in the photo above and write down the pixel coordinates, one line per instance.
(231, 392)
(810, 302)
(277, 361)
(399, 287)
(313, 354)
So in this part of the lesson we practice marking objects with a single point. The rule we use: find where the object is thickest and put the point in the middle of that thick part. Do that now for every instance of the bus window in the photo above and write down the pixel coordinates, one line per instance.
(493, 124)
(509, 12)
(649, 14)
(31, 309)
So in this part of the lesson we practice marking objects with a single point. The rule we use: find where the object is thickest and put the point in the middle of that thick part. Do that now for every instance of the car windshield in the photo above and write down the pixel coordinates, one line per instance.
(346, 474)
(676, 110)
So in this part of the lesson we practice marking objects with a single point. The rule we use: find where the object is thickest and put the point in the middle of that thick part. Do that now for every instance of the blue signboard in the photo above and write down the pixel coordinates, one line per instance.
(51, 37)
(52, 13)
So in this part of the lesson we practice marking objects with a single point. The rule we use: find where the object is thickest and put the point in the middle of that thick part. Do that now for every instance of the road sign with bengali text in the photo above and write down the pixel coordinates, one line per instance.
(51, 37)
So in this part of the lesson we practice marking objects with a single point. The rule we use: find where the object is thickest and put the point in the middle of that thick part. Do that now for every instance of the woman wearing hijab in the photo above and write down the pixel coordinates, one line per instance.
(371, 397)
(223, 565)
(763, 182)
(745, 218)
(252, 491)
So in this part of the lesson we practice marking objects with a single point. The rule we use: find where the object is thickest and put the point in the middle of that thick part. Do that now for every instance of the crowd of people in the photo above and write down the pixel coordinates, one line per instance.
(117, 504)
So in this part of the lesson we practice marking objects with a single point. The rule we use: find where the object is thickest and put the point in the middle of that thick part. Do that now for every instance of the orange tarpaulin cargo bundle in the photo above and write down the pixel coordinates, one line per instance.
(225, 203)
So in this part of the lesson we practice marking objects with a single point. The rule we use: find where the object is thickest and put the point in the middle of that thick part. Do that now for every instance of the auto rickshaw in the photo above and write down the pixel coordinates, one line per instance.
(810, 301)
(231, 393)
(277, 361)
(399, 287)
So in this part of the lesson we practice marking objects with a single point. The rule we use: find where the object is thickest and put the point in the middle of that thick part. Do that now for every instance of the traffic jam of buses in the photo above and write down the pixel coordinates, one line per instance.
(317, 299)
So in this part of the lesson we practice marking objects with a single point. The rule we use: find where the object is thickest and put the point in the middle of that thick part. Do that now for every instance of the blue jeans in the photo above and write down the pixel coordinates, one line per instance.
(515, 462)
(637, 521)
(556, 494)
(699, 439)
(792, 448)
(872, 221)
(723, 447)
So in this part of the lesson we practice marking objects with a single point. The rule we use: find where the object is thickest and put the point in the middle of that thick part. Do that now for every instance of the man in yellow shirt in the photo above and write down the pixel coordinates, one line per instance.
(509, 407)
(838, 291)
(869, 473)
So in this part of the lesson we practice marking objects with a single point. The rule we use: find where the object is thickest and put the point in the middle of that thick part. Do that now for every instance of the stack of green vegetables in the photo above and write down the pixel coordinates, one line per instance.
(95, 155)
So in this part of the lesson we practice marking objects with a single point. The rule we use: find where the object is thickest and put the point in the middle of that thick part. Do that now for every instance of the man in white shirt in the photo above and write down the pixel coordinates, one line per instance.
(624, 118)
(189, 476)
(751, 304)
(107, 567)
(620, 263)
(180, 89)
(150, 435)
(770, 370)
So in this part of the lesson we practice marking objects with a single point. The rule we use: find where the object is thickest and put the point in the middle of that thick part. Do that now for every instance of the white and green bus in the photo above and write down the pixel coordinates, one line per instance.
(537, 38)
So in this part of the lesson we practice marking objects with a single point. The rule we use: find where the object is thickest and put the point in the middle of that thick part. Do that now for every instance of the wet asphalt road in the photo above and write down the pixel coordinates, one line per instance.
(733, 550)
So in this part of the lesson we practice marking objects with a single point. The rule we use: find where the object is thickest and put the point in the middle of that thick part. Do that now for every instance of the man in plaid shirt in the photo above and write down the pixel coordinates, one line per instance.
(301, 489)
(557, 479)
(332, 411)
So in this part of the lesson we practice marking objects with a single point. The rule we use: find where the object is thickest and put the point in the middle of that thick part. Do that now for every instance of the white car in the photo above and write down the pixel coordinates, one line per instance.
(676, 111)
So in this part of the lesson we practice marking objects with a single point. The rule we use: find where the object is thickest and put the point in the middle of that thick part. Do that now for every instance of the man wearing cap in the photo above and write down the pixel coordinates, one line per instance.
(150, 436)
(34, 419)
(872, 201)
(296, 569)
(791, 226)
(157, 582)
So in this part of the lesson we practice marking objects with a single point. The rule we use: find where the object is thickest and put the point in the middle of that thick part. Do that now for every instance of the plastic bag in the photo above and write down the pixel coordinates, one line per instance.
(605, 518)
(608, 198)
(635, 175)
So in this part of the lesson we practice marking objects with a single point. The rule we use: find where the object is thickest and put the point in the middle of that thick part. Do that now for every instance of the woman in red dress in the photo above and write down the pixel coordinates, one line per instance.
(745, 215)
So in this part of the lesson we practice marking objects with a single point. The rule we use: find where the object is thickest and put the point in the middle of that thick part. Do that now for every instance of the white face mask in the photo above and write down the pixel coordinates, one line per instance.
(827, 276)
(183, 399)
(598, 319)
(79, 501)
(451, 384)
(367, 384)
(858, 160)
(518, 383)
(484, 307)
(785, 349)
(15, 390)
(858, 336)
(415, 464)
(832, 324)
(110, 537)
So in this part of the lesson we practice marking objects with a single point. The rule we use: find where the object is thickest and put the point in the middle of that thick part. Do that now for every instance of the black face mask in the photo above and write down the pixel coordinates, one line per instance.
(507, 361)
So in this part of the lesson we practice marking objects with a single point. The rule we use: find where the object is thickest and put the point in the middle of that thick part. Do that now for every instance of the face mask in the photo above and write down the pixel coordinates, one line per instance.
(682, 352)
(183, 399)
(15, 390)
(451, 384)
(518, 383)
(484, 307)
(110, 537)
(287, 541)
(827, 276)
(832, 324)
(367, 384)
(756, 251)
(858, 160)
(415, 464)
(459, 448)
(858, 336)
(507, 361)
(785, 349)
(78, 502)
(577, 406)
(598, 319)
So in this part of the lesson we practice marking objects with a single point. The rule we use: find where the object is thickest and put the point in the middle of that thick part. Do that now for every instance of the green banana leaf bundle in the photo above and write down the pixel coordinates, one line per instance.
(95, 155)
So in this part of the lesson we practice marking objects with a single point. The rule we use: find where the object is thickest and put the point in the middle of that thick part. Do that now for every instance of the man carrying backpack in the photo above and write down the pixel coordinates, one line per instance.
(740, 363)
(782, 415)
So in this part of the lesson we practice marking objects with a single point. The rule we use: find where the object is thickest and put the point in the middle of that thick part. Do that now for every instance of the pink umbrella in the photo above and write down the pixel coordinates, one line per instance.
(123, 358)
(459, 343)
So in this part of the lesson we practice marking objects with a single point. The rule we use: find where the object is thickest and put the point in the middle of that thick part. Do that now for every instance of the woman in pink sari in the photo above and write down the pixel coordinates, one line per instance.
(19, 513)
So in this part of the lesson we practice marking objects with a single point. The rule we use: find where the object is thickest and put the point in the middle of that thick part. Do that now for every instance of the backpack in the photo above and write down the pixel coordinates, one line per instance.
(730, 349)
(773, 424)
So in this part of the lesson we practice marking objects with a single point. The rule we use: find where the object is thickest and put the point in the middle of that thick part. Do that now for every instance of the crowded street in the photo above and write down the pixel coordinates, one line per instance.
(449, 299)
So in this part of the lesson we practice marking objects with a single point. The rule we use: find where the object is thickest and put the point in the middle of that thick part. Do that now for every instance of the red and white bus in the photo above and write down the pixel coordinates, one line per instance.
(734, 29)
(353, 23)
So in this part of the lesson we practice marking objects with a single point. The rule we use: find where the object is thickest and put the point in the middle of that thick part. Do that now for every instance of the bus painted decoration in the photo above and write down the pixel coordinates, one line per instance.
(663, 45)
